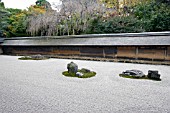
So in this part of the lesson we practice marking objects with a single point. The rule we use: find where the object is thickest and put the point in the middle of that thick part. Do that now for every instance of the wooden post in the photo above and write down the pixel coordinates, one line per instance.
(165, 53)
(79, 51)
(1, 49)
(104, 53)
(137, 52)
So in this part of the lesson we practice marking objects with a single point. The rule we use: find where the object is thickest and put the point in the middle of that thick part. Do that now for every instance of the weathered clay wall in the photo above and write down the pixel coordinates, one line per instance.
(62, 50)
(152, 52)
(127, 52)
(98, 51)
(130, 52)
(167, 54)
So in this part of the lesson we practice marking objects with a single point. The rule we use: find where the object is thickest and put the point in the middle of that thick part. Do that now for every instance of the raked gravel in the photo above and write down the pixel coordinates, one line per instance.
(40, 87)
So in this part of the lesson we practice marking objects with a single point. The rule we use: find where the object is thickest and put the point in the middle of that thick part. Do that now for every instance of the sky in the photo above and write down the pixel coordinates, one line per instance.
(23, 4)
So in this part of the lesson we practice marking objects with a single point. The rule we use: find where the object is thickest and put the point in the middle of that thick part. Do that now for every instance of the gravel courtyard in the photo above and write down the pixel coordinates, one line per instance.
(40, 87)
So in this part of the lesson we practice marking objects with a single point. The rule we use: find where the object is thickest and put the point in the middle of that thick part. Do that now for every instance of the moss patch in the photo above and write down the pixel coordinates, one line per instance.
(30, 58)
(132, 77)
(85, 75)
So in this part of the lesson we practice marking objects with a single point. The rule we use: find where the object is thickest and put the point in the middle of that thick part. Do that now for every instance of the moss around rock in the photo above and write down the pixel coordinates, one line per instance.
(85, 74)
(33, 57)
(132, 77)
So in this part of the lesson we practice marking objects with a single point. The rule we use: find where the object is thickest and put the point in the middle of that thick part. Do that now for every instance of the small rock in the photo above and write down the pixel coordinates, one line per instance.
(79, 74)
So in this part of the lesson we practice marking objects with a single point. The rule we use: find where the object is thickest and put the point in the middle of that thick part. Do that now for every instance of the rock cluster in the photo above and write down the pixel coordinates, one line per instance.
(38, 57)
(34, 57)
(73, 71)
(152, 74)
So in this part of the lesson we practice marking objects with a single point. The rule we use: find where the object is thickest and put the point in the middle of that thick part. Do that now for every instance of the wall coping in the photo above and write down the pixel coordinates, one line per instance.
(143, 34)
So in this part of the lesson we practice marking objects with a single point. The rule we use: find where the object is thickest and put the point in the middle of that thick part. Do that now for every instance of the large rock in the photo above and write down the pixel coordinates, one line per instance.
(134, 73)
(72, 68)
(153, 74)
(84, 70)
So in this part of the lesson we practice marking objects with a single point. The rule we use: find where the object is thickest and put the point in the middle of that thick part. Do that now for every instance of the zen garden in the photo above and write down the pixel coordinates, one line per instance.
(85, 56)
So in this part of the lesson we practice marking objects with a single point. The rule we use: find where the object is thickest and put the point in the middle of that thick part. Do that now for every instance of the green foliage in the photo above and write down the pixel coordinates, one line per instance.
(164, 1)
(17, 23)
(2, 6)
(146, 16)
(160, 22)
(41, 2)
(115, 25)
(69, 74)
(4, 15)
(14, 11)
(154, 16)
(12, 22)
(111, 3)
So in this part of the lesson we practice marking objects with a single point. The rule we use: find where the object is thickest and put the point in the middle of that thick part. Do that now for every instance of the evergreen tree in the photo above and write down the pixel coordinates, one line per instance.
(43, 3)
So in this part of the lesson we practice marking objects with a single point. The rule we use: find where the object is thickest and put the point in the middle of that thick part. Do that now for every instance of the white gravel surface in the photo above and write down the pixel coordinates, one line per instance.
(40, 87)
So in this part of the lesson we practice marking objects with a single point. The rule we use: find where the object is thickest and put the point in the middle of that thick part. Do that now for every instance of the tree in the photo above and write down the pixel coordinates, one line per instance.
(4, 14)
(2, 6)
(78, 13)
(43, 3)
(17, 24)
(35, 10)
(122, 5)
(39, 20)
(43, 25)
(40, 2)
(164, 1)
(111, 3)
(155, 16)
